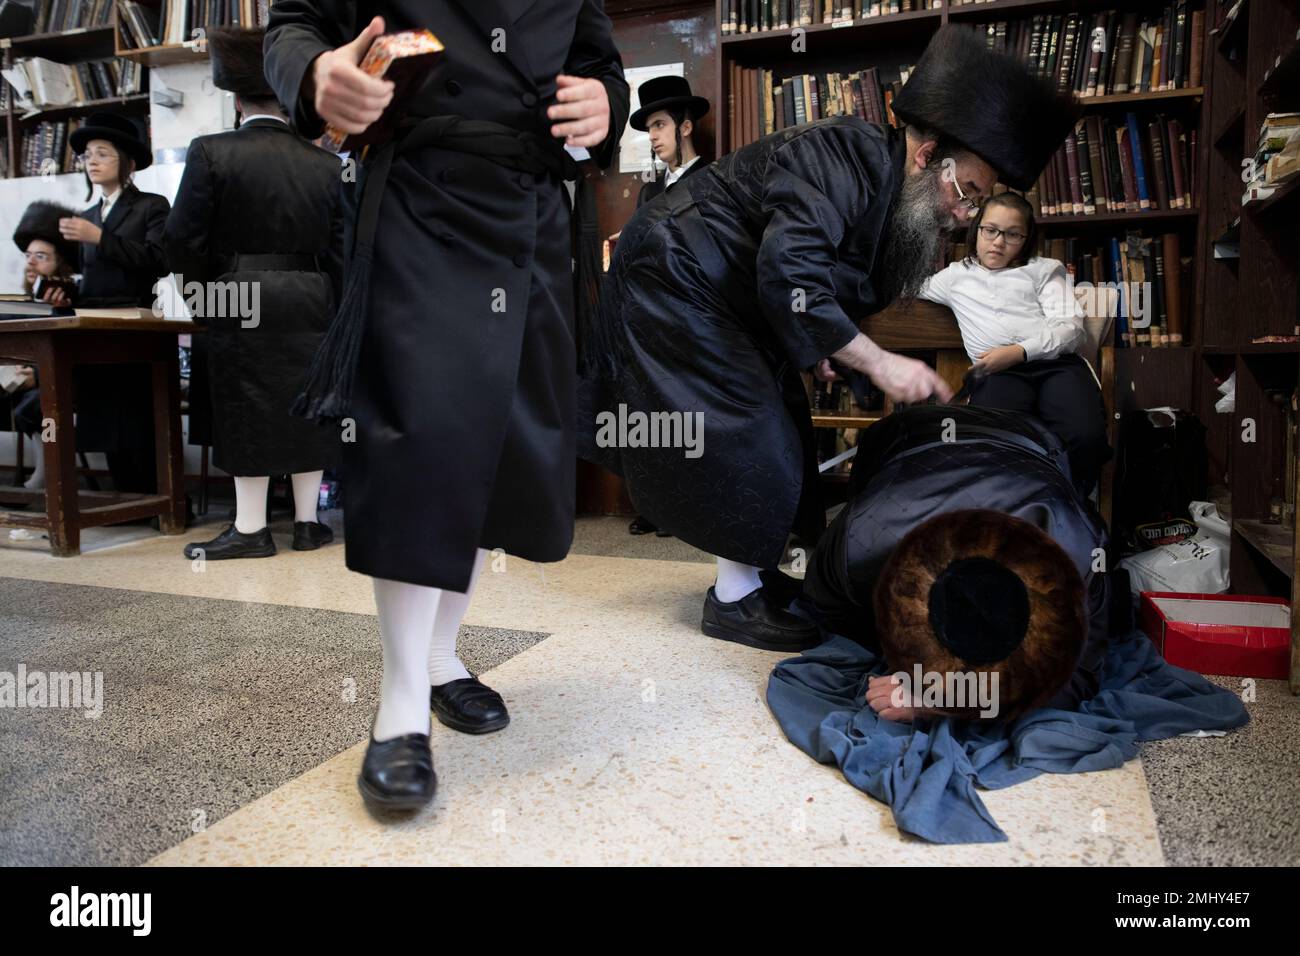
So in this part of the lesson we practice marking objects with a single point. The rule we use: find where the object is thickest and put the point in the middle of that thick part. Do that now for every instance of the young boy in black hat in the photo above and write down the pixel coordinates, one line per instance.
(668, 113)
(259, 208)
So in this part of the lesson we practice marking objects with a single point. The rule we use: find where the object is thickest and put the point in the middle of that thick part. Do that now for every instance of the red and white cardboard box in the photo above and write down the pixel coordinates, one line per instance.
(1238, 635)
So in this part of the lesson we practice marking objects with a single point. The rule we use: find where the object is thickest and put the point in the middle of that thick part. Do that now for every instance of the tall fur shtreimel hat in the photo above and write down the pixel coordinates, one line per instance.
(987, 102)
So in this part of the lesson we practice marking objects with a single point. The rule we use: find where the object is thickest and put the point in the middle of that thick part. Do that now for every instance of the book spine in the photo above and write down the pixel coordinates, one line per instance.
(1139, 167)
(1158, 165)
(1173, 287)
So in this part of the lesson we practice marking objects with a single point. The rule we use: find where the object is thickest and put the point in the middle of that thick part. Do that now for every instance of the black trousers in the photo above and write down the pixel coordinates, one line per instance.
(1063, 394)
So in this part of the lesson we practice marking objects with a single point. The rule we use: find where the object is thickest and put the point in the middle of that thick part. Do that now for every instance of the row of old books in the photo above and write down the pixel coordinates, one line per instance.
(180, 19)
(759, 103)
(44, 149)
(753, 16)
(44, 84)
(57, 16)
(1107, 52)
(1111, 166)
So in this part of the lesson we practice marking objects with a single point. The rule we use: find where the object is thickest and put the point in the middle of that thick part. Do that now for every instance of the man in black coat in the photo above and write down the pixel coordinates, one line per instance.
(929, 461)
(258, 214)
(761, 266)
(461, 278)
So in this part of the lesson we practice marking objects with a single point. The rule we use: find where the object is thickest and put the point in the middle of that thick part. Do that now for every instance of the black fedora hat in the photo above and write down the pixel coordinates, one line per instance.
(119, 131)
(987, 102)
(665, 93)
(41, 221)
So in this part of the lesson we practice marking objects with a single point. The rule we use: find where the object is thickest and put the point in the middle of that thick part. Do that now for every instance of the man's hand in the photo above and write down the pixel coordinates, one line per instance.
(80, 230)
(902, 379)
(825, 371)
(881, 693)
(26, 378)
(584, 103)
(342, 94)
(1001, 358)
(55, 295)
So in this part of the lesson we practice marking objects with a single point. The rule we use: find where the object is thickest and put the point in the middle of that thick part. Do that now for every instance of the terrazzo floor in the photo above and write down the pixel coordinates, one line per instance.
(238, 696)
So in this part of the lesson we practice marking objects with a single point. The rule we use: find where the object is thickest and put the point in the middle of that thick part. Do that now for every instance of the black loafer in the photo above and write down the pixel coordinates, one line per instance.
(231, 544)
(640, 525)
(756, 620)
(468, 705)
(310, 535)
(780, 587)
(398, 774)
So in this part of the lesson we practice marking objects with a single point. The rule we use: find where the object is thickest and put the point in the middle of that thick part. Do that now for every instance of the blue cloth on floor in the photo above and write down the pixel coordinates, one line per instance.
(928, 772)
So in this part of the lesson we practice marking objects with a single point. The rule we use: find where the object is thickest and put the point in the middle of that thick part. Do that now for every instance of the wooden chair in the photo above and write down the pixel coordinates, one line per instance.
(931, 329)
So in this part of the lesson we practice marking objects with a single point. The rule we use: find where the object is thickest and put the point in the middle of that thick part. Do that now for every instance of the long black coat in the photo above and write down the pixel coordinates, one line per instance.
(260, 190)
(465, 395)
(114, 402)
(911, 467)
(717, 296)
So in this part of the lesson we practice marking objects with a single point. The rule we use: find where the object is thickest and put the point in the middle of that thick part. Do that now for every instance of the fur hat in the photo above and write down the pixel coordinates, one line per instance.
(119, 131)
(987, 102)
(236, 55)
(980, 590)
(41, 221)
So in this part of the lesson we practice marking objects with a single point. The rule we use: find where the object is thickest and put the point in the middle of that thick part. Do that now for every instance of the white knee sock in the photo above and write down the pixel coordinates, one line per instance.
(250, 504)
(735, 580)
(306, 494)
(444, 665)
(36, 481)
(406, 616)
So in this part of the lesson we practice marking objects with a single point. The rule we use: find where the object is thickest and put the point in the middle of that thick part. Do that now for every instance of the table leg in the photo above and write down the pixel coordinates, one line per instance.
(59, 446)
(167, 441)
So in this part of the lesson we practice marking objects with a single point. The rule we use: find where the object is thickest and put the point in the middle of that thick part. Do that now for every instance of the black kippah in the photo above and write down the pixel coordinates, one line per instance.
(979, 610)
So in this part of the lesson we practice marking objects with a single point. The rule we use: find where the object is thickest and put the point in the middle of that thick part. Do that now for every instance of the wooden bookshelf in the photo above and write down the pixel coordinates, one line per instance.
(1251, 71)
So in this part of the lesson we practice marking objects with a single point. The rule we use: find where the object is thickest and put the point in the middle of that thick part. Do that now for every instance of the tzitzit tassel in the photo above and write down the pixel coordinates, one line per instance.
(326, 395)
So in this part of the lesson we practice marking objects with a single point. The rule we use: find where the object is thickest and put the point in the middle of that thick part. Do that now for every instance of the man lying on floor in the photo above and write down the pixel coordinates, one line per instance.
(972, 636)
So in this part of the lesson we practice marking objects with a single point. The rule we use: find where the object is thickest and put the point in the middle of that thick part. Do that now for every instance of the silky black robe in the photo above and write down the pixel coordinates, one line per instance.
(261, 190)
(717, 296)
(914, 465)
(464, 402)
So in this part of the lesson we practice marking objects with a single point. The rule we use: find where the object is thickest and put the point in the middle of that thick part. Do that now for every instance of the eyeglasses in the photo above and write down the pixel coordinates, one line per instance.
(970, 202)
(38, 256)
(992, 232)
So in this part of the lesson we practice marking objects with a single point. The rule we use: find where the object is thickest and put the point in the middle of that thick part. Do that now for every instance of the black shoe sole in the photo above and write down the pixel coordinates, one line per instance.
(313, 547)
(740, 637)
(383, 801)
(485, 727)
(231, 557)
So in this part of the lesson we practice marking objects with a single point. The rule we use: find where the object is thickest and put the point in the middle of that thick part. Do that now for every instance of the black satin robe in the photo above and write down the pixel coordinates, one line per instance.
(718, 295)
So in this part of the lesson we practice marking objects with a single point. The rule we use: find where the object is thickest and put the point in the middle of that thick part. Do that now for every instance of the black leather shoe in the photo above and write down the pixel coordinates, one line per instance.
(758, 621)
(231, 544)
(468, 705)
(780, 587)
(310, 535)
(640, 525)
(398, 774)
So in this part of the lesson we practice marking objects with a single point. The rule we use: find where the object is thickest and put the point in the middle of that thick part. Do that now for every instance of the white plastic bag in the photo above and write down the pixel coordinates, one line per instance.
(1228, 403)
(1197, 565)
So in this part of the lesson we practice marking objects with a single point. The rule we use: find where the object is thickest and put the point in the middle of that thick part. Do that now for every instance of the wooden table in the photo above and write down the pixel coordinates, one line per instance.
(54, 346)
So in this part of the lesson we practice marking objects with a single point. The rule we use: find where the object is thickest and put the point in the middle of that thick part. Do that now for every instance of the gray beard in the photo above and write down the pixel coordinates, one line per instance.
(915, 237)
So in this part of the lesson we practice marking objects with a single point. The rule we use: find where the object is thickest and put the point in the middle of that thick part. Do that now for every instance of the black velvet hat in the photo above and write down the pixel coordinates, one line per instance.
(981, 590)
(989, 103)
(236, 54)
(666, 93)
(119, 131)
(41, 221)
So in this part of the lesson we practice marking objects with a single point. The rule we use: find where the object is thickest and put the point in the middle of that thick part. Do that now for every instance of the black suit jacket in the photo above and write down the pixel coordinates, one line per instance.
(129, 259)
(656, 186)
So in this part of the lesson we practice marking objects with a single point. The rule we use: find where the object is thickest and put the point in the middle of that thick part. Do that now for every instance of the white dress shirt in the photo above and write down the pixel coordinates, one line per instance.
(1032, 306)
(106, 205)
(675, 174)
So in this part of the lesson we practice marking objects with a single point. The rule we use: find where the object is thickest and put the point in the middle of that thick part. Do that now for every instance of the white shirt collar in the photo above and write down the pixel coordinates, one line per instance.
(107, 200)
(675, 174)
(253, 116)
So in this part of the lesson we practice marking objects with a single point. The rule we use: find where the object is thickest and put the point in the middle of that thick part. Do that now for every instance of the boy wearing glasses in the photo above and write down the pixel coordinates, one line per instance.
(1022, 326)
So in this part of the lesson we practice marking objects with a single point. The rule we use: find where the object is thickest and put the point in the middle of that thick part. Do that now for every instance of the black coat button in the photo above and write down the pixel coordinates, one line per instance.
(528, 99)
(454, 87)
(520, 259)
